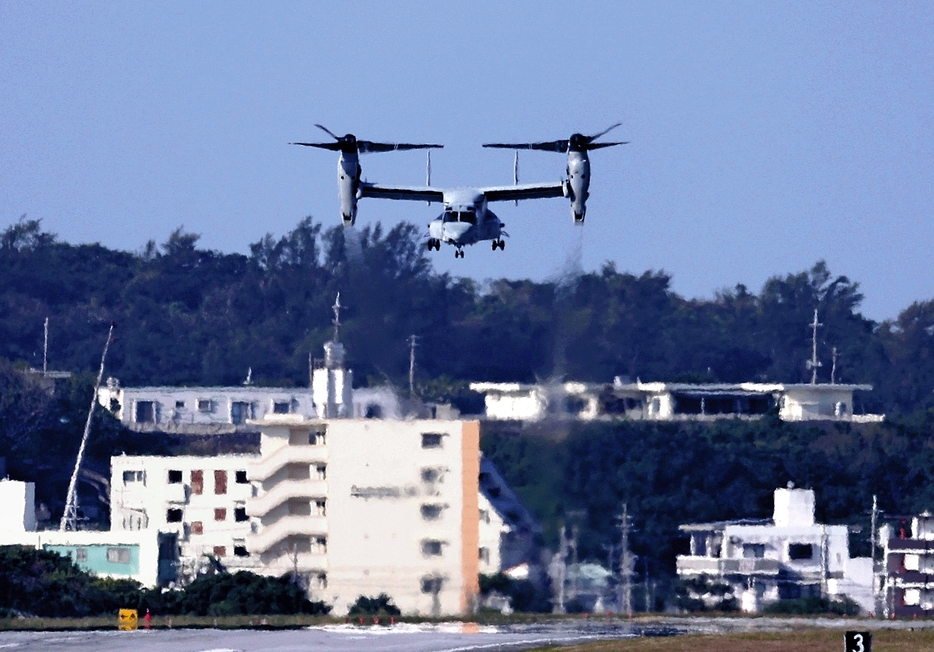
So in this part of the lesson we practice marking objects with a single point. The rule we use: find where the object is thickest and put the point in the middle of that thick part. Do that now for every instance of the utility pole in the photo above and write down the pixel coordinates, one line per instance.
(413, 342)
(625, 564)
(561, 569)
(575, 562)
(814, 363)
(833, 367)
(45, 349)
(645, 564)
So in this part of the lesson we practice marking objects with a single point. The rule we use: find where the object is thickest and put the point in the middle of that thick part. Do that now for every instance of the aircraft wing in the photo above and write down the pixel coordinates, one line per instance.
(524, 191)
(414, 193)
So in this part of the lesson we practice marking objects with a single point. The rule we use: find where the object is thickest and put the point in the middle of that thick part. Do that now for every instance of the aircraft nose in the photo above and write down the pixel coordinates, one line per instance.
(456, 230)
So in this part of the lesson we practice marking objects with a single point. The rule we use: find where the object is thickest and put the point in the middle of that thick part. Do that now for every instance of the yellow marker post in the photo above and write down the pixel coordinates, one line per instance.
(129, 619)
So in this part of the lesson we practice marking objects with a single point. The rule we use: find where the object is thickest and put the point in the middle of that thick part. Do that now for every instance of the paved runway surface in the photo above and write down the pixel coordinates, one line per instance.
(454, 637)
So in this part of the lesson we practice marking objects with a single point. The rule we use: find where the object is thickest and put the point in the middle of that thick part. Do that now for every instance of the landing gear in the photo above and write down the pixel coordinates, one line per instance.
(499, 243)
(434, 244)
(459, 253)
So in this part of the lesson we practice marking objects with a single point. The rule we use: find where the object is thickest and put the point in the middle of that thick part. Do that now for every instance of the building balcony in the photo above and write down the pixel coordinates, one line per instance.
(283, 491)
(303, 562)
(267, 467)
(910, 545)
(271, 535)
(912, 578)
(696, 565)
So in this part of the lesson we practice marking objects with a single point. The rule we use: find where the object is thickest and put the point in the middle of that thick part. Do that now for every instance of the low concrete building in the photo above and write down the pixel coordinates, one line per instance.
(787, 557)
(659, 401)
(908, 568)
(139, 555)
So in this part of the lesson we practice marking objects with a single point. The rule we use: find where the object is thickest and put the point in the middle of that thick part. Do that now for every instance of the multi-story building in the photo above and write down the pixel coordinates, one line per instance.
(787, 557)
(908, 569)
(198, 504)
(362, 507)
(660, 401)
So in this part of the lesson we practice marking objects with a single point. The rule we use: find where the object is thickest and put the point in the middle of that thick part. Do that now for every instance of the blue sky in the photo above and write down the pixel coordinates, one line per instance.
(765, 136)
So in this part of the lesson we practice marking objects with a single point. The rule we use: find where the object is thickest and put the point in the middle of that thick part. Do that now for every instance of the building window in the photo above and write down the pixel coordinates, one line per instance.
(179, 405)
(319, 546)
(431, 548)
(145, 412)
(118, 555)
(753, 550)
(173, 516)
(317, 438)
(320, 581)
(241, 478)
(175, 476)
(485, 555)
(197, 527)
(197, 482)
(220, 514)
(220, 551)
(205, 405)
(800, 551)
(281, 407)
(321, 472)
(81, 554)
(432, 585)
(133, 477)
(220, 482)
(431, 474)
(321, 508)
(240, 549)
(431, 512)
(431, 440)
(240, 411)
(240, 514)
(485, 515)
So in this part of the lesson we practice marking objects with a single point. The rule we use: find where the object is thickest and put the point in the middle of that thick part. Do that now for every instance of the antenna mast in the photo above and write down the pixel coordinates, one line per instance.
(70, 517)
(814, 363)
(413, 342)
(337, 317)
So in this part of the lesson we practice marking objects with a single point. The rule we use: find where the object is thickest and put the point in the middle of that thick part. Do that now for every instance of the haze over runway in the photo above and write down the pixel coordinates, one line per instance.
(764, 136)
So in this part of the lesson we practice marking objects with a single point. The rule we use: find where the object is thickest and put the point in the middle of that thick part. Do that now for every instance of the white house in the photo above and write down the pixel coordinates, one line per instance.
(788, 557)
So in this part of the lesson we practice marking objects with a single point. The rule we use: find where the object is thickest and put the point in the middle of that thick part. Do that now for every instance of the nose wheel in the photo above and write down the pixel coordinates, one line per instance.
(501, 244)
(434, 244)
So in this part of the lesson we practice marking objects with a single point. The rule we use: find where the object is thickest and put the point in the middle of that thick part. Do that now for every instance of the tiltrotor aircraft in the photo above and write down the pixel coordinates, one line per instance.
(466, 218)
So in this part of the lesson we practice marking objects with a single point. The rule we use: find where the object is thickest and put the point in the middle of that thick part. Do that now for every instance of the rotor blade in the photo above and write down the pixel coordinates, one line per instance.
(602, 145)
(334, 147)
(551, 146)
(327, 131)
(366, 146)
(604, 132)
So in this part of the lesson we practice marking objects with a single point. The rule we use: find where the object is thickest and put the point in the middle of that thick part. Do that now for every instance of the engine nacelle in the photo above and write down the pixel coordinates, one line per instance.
(578, 184)
(348, 186)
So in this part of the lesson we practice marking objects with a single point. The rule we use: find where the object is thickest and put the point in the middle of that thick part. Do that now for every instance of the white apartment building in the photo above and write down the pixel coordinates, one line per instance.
(787, 557)
(362, 507)
(908, 571)
(659, 401)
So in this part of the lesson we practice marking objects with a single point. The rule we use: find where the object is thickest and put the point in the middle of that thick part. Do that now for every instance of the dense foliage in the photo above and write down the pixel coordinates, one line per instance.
(192, 316)
(40, 583)
(668, 474)
(381, 605)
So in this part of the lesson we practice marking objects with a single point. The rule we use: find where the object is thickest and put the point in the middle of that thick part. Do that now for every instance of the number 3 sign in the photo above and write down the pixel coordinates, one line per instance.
(857, 642)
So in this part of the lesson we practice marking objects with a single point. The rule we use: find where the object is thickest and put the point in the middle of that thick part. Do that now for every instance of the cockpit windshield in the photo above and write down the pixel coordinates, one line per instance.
(463, 216)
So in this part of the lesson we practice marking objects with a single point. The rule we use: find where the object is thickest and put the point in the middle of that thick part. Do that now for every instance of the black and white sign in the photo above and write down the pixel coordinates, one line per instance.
(857, 642)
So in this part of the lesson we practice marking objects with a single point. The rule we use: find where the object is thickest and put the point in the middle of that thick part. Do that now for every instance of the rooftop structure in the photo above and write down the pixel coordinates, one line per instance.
(660, 401)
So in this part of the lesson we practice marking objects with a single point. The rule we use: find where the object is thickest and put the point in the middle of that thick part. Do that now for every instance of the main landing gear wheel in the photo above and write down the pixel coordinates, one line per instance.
(459, 253)
(499, 243)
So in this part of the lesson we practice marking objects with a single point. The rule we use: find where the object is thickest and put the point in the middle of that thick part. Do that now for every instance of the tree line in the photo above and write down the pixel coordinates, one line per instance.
(192, 316)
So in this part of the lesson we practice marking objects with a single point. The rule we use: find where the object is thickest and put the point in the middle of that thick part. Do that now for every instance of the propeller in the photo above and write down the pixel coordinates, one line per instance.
(349, 144)
(576, 143)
